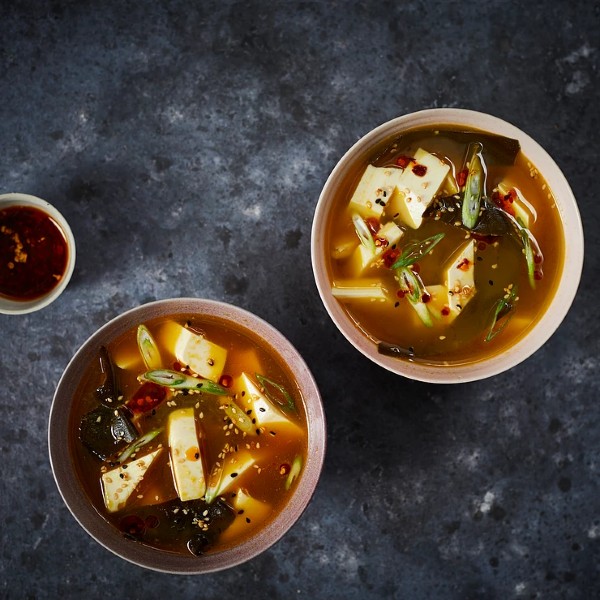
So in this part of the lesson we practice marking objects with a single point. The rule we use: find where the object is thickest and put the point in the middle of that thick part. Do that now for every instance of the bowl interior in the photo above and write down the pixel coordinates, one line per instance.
(105, 533)
(568, 280)
(8, 306)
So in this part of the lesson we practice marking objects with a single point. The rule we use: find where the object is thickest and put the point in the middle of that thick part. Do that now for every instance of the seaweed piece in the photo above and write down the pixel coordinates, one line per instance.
(195, 522)
(106, 392)
(104, 431)
(394, 350)
(492, 220)
(497, 149)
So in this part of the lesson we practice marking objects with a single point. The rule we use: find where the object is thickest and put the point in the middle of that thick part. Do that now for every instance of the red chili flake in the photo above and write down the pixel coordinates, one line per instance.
(425, 298)
(148, 396)
(381, 242)
(463, 265)
(176, 366)
(419, 170)
(481, 246)
(389, 257)
(538, 275)
(505, 202)
(488, 239)
(403, 161)
(416, 268)
(373, 224)
(400, 293)
(538, 259)
(151, 521)
(133, 525)
(461, 177)
(284, 469)
(445, 311)
(226, 381)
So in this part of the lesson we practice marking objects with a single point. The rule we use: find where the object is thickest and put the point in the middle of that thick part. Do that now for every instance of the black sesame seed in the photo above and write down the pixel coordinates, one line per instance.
(233, 475)
(491, 282)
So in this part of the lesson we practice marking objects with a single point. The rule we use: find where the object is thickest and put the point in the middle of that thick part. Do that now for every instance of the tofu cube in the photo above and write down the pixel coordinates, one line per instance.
(363, 258)
(375, 189)
(439, 305)
(523, 211)
(266, 414)
(187, 460)
(225, 474)
(359, 289)
(250, 512)
(460, 277)
(415, 192)
(118, 484)
(202, 356)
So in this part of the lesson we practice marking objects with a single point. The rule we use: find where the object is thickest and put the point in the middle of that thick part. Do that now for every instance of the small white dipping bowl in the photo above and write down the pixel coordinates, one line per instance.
(568, 282)
(19, 307)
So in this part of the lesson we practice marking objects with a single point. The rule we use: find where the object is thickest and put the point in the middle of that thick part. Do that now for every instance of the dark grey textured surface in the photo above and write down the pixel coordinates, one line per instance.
(187, 144)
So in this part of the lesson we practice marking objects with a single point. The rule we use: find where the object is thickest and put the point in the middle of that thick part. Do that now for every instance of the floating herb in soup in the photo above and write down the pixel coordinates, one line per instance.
(445, 246)
(189, 434)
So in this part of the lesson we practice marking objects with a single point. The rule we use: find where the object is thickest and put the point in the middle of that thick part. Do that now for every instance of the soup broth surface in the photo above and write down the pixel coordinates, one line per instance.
(500, 266)
(253, 463)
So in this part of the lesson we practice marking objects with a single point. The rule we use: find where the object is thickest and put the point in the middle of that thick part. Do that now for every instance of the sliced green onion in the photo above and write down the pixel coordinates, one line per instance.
(294, 472)
(503, 311)
(411, 284)
(416, 250)
(363, 232)
(148, 348)
(289, 401)
(180, 381)
(473, 188)
(238, 417)
(214, 483)
(137, 444)
(528, 249)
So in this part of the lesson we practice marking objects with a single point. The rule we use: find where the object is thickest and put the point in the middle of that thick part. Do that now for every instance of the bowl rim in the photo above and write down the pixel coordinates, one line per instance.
(569, 279)
(106, 534)
(21, 307)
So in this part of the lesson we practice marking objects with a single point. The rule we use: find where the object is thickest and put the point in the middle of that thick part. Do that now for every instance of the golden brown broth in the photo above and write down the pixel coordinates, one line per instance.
(463, 339)
(245, 353)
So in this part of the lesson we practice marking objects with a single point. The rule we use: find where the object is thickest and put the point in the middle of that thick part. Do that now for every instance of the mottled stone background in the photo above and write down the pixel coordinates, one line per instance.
(187, 143)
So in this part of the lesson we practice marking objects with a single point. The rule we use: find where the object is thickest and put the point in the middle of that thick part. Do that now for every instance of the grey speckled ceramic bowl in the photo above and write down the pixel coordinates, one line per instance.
(536, 335)
(105, 533)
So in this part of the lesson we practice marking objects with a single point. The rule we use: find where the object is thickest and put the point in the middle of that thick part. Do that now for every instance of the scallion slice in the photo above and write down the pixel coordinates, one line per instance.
(294, 472)
(238, 417)
(411, 284)
(181, 381)
(289, 401)
(503, 311)
(416, 250)
(137, 444)
(473, 188)
(363, 232)
(148, 348)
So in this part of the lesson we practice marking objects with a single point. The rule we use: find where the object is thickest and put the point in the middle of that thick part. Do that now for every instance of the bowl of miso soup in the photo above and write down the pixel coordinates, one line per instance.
(447, 245)
(187, 435)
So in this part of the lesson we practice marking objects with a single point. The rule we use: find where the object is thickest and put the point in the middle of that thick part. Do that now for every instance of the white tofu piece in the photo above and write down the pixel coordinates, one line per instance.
(415, 193)
(225, 474)
(439, 306)
(263, 410)
(460, 277)
(359, 289)
(363, 258)
(202, 356)
(250, 512)
(524, 212)
(118, 484)
(187, 460)
(374, 190)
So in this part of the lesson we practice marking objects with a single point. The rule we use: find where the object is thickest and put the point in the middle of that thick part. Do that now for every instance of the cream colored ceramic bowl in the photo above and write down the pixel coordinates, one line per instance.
(537, 335)
(101, 530)
(19, 307)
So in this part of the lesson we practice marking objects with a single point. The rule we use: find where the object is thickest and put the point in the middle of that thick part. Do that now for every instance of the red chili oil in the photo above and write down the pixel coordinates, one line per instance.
(33, 253)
